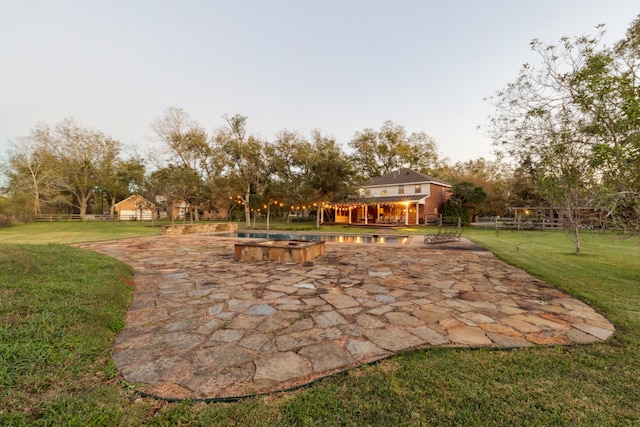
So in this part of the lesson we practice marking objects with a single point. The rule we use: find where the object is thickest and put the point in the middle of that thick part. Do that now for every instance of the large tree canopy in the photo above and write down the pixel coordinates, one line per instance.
(572, 121)
(64, 163)
(379, 152)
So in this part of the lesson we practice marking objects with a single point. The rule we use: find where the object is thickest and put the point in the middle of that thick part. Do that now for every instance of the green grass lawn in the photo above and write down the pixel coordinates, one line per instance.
(74, 232)
(60, 307)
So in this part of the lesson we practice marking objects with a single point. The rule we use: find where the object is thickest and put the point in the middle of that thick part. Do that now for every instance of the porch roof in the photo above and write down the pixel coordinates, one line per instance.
(396, 199)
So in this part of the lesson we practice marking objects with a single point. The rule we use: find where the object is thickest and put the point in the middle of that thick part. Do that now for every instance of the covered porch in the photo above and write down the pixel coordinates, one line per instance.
(387, 211)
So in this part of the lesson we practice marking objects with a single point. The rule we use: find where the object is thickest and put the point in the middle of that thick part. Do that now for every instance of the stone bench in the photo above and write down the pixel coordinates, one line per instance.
(198, 228)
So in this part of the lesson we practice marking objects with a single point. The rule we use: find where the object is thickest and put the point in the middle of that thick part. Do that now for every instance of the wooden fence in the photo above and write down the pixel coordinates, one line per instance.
(72, 217)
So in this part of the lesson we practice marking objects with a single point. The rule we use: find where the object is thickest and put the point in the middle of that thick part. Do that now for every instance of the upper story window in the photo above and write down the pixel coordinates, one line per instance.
(384, 191)
(418, 189)
(400, 189)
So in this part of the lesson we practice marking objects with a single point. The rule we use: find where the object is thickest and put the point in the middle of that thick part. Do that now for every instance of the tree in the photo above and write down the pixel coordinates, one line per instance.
(607, 90)
(464, 201)
(186, 146)
(29, 173)
(573, 122)
(171, 185)
(287, 165)
(76, 156)
(328, 172)
(184, 139)
(390, 148)
(120, 179)
(487, 175)
(243, 159)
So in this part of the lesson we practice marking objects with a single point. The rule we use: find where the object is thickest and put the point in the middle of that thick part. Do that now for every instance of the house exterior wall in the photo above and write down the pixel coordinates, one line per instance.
(433, 204)
(129, 209)
(398, 190)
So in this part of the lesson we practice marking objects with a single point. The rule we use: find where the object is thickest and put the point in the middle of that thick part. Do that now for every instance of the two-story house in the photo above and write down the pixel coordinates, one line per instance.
(400, 197)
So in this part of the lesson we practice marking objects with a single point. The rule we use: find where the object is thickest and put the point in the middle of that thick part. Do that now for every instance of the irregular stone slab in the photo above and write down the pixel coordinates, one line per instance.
(340, 301)
(385, 298)
(238, 306)
(304, 338)
(393, 340)
(379, 273)
(326, 356)
(428, 335)
(468, 336)
(506, 341)
(162, 369)
(225, 335)
(580, 337)
(600, 333)
(330, 318)
(369, 322)
(403, 319)
(280, 367)
(245, 321)
(365, 350)
(222, 356)
(216, 309)
(261, 310)
(478, 318)
(180, 342)
(380, 310)
(254, 341)
(547, 338)
(500, 329)
(517, 322)
(204, 384)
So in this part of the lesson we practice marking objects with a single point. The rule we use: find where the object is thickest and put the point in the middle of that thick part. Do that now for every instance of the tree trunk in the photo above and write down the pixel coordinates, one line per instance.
(268, 215)
(247, 209)
(83, 208)
(318, 214)
(576, 237)
(112, 207)
(36, 203)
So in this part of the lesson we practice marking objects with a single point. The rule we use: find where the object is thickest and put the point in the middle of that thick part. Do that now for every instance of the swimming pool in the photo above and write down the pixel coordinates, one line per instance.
(340, 238)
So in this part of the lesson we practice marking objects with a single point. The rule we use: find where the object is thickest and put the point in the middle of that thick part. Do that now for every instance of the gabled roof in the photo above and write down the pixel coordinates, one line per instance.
(404, 176)
(396, 199)
(135, 196)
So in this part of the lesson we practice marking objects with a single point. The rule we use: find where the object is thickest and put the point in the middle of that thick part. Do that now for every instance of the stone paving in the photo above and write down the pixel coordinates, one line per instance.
(203, 325)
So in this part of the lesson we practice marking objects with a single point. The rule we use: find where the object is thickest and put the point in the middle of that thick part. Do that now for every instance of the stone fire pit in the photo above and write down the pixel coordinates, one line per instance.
(281, 251)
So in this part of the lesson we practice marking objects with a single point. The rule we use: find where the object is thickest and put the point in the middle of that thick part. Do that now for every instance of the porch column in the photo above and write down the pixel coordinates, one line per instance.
(322, 213)
(406, 214)
(365, 212)
(350, 210)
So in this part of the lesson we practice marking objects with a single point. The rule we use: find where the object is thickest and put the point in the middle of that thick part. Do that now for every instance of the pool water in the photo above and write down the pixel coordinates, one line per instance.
(387, 240)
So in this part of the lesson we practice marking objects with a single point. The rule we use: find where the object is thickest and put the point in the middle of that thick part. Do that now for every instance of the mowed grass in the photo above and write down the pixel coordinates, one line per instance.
(60, 307)
(74, 232)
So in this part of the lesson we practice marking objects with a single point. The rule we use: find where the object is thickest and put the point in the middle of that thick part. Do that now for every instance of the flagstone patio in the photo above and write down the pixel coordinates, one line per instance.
(204, 325)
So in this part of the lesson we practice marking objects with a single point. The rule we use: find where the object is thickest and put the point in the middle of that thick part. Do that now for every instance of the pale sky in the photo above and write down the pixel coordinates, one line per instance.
(336, 65)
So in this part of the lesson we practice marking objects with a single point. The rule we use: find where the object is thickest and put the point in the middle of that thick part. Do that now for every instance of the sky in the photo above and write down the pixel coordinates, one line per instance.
(339, 66)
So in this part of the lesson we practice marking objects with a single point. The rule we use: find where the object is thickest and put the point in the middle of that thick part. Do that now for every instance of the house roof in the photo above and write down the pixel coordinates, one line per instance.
(395, 199)
(135, 196)
(404, 176)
